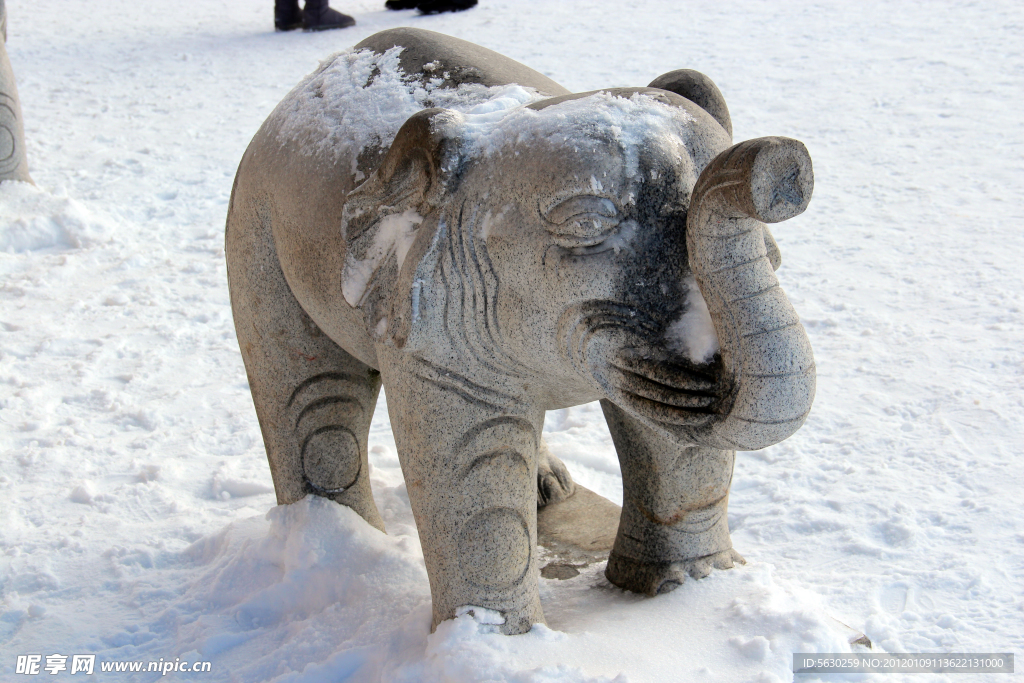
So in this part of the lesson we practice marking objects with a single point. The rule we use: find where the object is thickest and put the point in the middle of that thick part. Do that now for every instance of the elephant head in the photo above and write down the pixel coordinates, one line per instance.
(598, 245)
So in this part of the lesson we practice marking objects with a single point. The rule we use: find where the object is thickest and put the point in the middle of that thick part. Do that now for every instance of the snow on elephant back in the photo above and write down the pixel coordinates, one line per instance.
(429, 214)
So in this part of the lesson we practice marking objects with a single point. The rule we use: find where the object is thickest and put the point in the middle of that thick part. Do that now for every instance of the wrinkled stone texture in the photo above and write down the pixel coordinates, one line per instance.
(513, 248)
(13, 164)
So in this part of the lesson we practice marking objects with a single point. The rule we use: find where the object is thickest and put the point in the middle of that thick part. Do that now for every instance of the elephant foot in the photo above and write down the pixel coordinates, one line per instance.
(554, 484)
(654, 578)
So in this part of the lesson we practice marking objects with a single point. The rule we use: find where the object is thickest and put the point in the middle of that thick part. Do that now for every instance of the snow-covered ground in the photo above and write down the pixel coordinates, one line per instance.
(137, 517)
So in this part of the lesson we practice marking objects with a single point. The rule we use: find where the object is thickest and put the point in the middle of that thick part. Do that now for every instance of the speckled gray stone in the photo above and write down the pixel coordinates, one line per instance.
(488, 267)
(13, 164)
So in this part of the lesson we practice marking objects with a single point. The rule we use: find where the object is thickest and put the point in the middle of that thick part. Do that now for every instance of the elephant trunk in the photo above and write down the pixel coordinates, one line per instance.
(765, 352)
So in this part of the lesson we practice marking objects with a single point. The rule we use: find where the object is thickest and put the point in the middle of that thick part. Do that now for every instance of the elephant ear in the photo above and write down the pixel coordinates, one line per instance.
(699, 89)
(384, 219)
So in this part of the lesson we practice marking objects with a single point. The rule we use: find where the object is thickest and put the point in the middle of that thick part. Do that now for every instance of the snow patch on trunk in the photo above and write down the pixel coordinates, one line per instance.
(694, 332)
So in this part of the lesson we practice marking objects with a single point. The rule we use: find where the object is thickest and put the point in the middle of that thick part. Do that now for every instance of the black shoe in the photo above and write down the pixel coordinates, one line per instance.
(402, 4)
(287, 15)
(438, 6)
(319, 17)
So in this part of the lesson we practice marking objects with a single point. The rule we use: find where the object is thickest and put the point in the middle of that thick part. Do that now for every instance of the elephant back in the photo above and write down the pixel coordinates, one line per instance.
(456, 62)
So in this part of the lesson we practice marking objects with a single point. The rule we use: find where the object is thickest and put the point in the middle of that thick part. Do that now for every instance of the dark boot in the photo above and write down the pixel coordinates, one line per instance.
(438, 6)
(287, 15)
(402, 4)
(319, 17)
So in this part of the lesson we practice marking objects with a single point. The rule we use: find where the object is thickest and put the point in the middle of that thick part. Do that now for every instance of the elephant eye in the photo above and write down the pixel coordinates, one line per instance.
(582, 221)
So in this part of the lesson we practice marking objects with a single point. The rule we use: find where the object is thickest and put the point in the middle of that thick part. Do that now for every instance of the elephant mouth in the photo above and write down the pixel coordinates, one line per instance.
(671, 392)
(621, 347)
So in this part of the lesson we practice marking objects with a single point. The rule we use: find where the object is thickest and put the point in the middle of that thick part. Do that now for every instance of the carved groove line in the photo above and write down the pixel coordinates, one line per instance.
(326, 401)
(512, 422)
(461, 385)
(488, 457)
(478, 289)
(578, 325)
(7, 136)
(697, 521)
(323, 377)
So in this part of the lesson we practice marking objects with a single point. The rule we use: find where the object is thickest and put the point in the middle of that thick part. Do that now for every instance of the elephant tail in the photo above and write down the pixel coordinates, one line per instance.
(765, 351)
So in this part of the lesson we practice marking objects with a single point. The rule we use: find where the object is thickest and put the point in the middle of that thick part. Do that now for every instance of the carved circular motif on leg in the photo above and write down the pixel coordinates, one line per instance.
(494, 548)
(330, 459)
(8, 145)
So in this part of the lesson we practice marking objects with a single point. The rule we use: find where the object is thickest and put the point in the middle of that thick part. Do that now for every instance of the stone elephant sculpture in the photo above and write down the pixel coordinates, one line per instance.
(13, 163)
(427, 213)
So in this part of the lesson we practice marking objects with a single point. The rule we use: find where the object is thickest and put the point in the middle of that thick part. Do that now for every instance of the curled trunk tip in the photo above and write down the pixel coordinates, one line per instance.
(768, 179)
(765, 352)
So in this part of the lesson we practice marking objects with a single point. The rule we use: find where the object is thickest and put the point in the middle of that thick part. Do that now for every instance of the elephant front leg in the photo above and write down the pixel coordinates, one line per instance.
(469, 457)
(674, 511)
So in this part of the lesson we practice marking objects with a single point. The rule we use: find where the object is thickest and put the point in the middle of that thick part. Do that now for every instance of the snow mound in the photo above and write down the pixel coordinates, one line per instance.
(32, 219)
(310, 592)
(311, 588)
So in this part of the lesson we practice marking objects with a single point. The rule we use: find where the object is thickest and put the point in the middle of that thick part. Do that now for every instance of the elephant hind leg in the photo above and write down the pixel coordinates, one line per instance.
(313, 399)
(554, 484)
